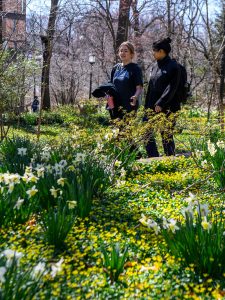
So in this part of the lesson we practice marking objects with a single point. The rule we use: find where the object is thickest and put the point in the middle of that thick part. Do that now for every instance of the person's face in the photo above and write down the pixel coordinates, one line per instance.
(125, 54)
(159, 54)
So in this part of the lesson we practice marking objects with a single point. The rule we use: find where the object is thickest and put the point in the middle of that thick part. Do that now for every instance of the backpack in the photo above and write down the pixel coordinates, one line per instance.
(184, 87)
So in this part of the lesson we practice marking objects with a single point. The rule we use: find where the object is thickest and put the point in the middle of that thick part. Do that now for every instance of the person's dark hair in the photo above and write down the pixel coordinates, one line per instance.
(163, 44)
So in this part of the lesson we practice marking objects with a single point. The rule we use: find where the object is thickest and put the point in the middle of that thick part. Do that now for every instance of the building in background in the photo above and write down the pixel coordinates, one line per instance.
(13, 24)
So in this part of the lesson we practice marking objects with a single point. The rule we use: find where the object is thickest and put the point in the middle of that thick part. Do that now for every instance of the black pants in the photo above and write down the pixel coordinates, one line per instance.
(120, 112)
(116, 113)
(167, 140)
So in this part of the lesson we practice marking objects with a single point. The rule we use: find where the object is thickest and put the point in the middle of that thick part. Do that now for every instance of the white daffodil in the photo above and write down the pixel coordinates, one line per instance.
(6, 178)
(123, 172)
(18, 203)
(40, 171)
(72, 204)
(32, 178)
(108, 136)
(205, 224)
(56, 268)
(2, 273)
(49, 169)
(191, 200)
(11, 188)
(80, 157)
(188, 211)
(39, 270)
(115, 132)
(204, 163)
(10, 255)
(28, 169)
(1, 178)
(32, 191)
(211, 148)
(22, 151)
(221, 144)
(54, 192)
(199, 154)
(152, 224)
(25, 178)
(99, 146)
(46, 154)
(172, 225)
(61, 181)
(58, 169)
(120, 183)
(63, 163)
(165, 223)
(203, 210)
(13, 178)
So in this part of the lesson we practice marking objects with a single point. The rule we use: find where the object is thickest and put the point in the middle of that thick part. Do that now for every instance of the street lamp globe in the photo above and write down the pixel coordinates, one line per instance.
(91, 59)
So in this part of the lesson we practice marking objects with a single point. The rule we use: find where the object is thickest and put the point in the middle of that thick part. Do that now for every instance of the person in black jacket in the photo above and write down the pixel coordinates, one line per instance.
(162, 94)
(127, 78)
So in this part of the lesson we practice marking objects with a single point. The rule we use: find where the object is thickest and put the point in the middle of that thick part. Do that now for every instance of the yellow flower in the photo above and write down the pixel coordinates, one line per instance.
(118, 163)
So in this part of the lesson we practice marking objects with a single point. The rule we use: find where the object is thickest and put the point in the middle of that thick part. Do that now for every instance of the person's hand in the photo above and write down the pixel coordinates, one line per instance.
(158, 108)
(134, 100)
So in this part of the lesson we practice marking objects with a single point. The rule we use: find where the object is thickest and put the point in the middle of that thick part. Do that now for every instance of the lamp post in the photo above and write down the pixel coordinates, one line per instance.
(91, 62)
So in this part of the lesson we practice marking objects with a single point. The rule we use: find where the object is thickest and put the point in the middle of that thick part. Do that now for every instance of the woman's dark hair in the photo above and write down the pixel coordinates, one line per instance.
(163, 44)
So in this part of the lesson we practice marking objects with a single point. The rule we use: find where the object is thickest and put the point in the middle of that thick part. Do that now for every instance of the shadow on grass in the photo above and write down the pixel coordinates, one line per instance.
(33, 130)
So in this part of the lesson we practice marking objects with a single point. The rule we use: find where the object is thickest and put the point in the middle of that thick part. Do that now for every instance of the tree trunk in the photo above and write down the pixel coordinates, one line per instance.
(169, 22)
(222, 75)
(1, 28)
(47, 42)
(123, 22)
(137, 35)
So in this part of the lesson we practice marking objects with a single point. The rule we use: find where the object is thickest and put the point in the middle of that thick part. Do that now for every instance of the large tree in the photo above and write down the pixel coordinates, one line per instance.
(123, 22)
(222, 65)
(47, 41)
